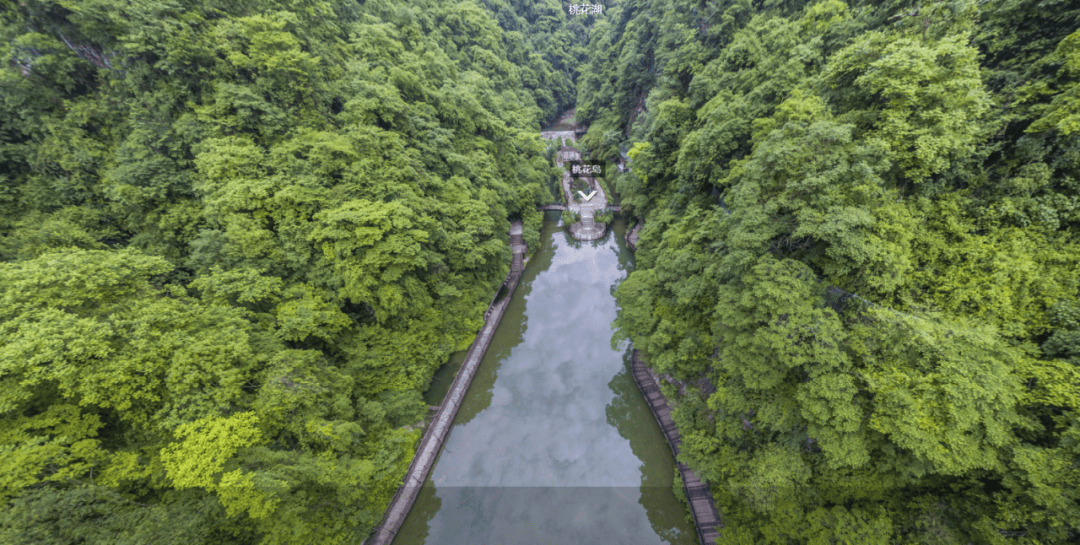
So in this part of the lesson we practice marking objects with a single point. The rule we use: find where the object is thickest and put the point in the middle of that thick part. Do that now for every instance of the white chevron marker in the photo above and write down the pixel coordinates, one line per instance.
(586, 197)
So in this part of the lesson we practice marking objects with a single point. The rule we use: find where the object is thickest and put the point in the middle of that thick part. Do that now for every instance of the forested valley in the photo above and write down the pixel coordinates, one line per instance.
(861, 226)
(237, 237)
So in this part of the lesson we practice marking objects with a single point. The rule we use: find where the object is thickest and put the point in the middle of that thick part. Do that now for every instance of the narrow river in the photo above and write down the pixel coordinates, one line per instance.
(554, 443)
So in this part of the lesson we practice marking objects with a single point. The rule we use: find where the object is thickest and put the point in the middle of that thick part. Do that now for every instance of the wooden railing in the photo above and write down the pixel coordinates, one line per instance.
(706, 518)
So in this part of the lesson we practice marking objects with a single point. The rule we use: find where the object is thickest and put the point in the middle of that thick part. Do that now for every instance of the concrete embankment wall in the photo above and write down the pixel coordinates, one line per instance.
(439, 430)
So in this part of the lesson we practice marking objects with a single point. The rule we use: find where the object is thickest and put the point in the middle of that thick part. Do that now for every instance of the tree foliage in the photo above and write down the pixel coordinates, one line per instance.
(860, 226)
(237, 239)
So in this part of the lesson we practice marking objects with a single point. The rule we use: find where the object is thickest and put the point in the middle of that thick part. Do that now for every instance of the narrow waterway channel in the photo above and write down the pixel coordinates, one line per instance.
(554, 442)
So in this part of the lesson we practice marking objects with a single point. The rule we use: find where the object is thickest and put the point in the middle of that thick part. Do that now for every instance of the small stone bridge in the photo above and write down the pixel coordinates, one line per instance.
(615, 207)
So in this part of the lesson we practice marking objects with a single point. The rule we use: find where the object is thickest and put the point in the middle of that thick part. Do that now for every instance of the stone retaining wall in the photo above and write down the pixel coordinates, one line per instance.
(436, 434)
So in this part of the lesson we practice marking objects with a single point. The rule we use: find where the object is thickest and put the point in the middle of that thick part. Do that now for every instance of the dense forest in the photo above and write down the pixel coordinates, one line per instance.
(862, 226)
(237, 237)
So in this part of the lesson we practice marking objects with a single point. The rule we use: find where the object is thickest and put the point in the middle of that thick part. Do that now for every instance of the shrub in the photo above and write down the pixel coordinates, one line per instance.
(605, 216)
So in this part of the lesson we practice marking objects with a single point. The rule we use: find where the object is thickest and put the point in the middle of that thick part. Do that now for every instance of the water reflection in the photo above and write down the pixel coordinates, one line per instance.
(443, 378)
(554, 444)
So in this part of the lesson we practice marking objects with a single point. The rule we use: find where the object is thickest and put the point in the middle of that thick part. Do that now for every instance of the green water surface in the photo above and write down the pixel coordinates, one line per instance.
(554, 443)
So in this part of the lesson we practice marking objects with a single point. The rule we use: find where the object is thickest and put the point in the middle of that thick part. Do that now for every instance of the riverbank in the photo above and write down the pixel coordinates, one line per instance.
(436, 434)
(554, 442)
(632, 234)
(706, 517)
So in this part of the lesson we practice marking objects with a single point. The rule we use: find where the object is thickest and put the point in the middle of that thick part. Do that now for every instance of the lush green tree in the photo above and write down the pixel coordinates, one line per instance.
(861, 228)
(236, 241)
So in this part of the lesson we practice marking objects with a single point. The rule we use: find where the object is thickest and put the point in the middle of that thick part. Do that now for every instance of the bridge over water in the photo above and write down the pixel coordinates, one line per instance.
(615, 207)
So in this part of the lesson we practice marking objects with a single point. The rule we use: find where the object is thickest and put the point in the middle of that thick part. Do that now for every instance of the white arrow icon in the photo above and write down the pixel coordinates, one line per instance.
(586, 197)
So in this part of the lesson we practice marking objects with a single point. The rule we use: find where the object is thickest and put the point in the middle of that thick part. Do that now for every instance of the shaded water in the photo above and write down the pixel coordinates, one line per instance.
(554, 443)
(444, 378)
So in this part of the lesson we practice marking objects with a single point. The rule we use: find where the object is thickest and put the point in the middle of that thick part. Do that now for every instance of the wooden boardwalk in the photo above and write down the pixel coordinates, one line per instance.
(706, 517)
(436, 434)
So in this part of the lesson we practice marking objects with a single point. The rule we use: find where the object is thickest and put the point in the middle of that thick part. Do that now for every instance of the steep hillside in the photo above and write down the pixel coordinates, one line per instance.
(236, 240)
(861, 225)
